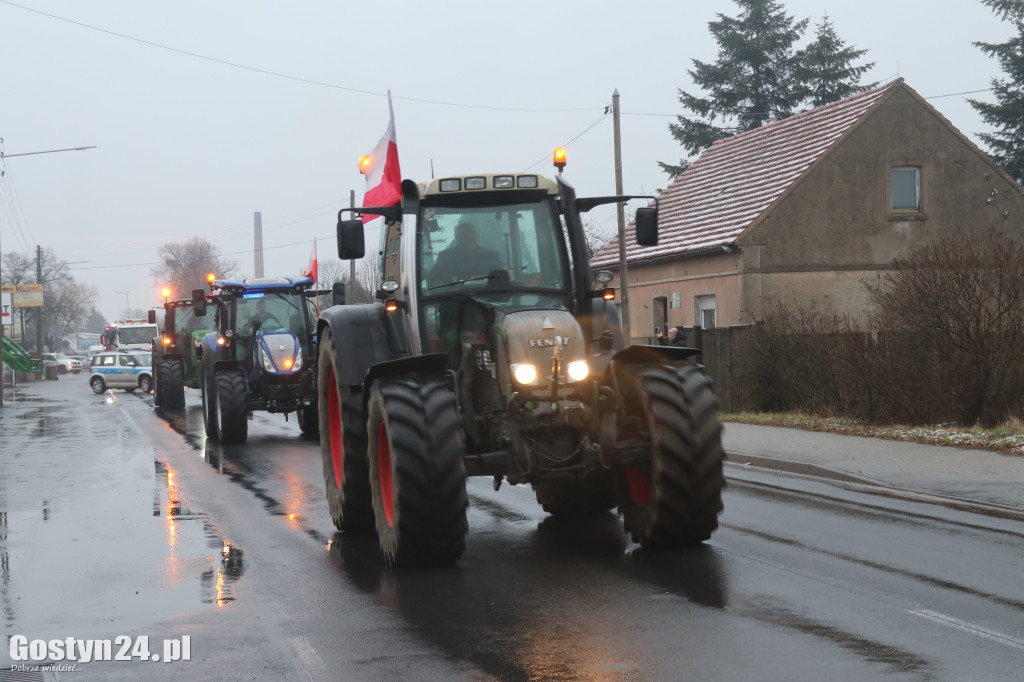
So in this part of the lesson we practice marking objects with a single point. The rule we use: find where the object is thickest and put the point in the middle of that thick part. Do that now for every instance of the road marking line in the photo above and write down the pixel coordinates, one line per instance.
(968, 627)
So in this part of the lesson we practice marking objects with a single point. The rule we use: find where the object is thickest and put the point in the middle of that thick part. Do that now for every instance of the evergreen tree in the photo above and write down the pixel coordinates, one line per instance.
(95, 323)
(1006, 115)
(752, 83)
(826, 70)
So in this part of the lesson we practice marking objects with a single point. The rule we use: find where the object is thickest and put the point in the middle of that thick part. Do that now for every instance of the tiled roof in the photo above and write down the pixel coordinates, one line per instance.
(740, 177)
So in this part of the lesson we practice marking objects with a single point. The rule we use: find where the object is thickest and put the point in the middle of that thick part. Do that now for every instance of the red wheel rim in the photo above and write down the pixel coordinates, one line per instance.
(387, 483)
(639, 485)
(334, 432)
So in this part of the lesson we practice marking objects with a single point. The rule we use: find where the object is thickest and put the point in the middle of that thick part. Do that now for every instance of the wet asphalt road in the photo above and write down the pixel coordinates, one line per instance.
(116, 520)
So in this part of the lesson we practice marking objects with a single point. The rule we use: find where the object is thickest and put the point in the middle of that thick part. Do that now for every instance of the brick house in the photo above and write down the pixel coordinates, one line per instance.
(808, 208)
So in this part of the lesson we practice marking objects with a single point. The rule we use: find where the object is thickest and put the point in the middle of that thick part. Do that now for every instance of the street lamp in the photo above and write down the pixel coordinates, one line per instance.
(127, 312)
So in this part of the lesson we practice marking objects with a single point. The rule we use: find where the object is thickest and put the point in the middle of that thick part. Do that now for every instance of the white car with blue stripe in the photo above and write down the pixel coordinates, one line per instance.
(129, 369)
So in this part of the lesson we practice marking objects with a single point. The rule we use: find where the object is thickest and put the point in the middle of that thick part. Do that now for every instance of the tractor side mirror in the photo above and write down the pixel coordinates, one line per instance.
(199, 302)
(151, 316)
(646, 224)
(351, 243)
(338, 293)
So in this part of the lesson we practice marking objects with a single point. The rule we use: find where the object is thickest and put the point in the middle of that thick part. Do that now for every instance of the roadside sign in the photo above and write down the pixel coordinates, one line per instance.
(25, 295)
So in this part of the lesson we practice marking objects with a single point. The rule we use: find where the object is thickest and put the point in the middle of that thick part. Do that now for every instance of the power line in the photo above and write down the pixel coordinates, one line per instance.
(276, 74)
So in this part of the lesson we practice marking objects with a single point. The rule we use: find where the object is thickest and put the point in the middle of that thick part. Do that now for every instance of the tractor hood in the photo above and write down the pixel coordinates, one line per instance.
(278, 351)
(534, 336)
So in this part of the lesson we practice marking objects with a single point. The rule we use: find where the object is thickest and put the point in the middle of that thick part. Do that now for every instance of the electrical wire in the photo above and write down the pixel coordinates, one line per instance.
(276, 74)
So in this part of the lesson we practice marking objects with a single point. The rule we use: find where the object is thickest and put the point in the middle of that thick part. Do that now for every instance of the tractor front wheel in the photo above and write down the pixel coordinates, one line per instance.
(232, 414)
(417, 473)
(674, 498)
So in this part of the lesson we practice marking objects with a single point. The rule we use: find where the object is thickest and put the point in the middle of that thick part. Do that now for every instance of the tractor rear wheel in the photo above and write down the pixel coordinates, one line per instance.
(232, 396)
(417, 474)
(170, 383)
(675, 497)
(158, 382)
(343, 445)
(210, 406)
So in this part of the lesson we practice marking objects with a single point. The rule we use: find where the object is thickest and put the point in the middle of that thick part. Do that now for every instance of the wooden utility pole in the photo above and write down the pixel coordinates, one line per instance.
(621, 212)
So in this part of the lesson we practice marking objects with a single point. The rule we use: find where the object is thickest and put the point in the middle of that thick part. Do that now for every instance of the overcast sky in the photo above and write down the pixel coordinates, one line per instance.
(204, 112)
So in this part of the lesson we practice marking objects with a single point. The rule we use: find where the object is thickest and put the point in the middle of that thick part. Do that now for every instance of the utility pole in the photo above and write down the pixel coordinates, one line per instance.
(621, 214)
(39, 316)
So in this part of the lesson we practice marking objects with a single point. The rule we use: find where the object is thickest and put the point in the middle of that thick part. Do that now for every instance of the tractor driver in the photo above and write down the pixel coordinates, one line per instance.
(260, 317)
(465, 258)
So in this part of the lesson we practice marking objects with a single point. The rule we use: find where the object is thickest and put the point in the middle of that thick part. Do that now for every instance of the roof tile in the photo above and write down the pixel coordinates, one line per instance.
(738, 178)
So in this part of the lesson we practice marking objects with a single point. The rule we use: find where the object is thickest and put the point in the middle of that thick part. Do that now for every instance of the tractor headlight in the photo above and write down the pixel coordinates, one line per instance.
(578, 370)
(525, 374)
(267, 362)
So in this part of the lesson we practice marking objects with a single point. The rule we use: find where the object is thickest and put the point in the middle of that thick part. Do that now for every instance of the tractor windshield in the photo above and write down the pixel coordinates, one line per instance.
(268, 310)
(511, 247)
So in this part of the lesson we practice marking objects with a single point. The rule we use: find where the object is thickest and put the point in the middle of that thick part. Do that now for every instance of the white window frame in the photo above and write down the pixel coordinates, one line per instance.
(702, 306)
(903, 170)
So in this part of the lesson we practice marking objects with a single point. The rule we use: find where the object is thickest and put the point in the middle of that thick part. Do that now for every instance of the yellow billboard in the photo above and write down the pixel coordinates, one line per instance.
(25, 295)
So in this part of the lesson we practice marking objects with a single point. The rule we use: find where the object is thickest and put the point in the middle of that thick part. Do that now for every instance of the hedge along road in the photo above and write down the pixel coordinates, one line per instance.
(120, 520)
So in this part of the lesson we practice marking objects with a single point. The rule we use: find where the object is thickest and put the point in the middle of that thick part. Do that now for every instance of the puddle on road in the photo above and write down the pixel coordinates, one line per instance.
(248, 471)
(94, 538)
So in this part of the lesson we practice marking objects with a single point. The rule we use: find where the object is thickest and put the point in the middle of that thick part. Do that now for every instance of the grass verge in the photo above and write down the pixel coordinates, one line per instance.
(1007, 438)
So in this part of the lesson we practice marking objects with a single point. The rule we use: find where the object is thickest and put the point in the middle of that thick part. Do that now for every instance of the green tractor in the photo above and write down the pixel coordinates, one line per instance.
(175, 361)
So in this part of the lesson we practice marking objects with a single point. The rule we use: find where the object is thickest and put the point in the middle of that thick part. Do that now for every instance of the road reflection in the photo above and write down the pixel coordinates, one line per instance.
(545, 608)
(225, 568)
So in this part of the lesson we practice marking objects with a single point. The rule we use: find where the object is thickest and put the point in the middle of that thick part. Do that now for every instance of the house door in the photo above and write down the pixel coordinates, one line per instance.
(660, 313)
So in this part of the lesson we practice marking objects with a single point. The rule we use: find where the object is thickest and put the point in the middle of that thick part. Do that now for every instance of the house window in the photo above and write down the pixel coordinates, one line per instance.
(705, 311)
(905, 188)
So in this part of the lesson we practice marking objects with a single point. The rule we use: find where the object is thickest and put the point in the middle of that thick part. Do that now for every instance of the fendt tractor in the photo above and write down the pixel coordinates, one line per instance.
(175, 359)
(492, 350)
(261, 356)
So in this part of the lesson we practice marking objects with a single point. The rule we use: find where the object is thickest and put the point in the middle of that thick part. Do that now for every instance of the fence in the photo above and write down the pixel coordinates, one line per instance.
(719, 348)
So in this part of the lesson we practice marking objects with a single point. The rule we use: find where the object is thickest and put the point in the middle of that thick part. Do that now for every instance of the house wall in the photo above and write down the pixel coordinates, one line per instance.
(833, 230)
(689, 277)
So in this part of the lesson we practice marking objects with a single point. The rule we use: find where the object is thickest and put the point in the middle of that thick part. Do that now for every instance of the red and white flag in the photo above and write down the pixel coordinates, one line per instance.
(311, 270)
(383, 175)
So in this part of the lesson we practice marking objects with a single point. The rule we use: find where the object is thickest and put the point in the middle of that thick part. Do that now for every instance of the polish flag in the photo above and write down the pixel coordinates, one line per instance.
(383, 175)
(311, 270)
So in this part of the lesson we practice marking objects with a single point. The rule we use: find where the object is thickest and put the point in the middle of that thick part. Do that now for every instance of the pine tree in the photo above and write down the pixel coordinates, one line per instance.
(826, 69)
(1006, 115)
(752, 83)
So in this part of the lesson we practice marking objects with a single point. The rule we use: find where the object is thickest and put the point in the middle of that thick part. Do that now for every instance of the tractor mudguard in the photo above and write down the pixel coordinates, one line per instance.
(361, 339)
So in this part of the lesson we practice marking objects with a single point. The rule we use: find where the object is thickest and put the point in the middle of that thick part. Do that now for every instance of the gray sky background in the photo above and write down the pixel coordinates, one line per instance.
(190, 143)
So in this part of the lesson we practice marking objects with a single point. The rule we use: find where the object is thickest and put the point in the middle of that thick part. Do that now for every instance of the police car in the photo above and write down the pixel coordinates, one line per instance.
(128, 369)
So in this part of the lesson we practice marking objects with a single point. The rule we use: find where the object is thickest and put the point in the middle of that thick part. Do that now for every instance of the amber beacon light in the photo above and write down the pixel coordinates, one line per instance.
(560, 158)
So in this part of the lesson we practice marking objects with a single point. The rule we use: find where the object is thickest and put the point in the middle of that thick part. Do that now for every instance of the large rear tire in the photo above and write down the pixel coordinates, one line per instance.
(210, 406)
(587, 497)
(170, 383)
(232, 396)
(674, 500)
(343, 445)
(417, 473)
(158, 382)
